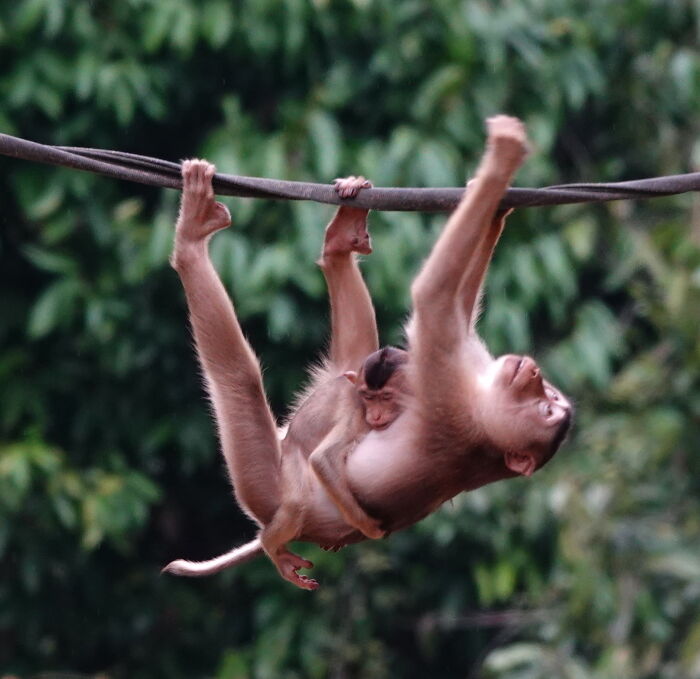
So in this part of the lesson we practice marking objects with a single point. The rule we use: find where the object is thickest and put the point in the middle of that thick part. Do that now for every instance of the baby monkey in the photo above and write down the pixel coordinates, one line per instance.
(380, 388)
(380, 384)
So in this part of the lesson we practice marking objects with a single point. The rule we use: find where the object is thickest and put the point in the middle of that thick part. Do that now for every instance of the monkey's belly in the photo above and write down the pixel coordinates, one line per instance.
(382, 461)
(392, 477)
(389, 475)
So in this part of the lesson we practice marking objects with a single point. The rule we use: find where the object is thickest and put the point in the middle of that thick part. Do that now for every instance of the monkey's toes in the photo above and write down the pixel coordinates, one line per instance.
(197, 169)
(297, 562)
(288, 567)
(306, 583)
(349, 187)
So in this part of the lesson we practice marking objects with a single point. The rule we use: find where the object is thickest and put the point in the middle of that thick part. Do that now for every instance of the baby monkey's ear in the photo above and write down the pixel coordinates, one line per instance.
(351, 376)
(521, 463)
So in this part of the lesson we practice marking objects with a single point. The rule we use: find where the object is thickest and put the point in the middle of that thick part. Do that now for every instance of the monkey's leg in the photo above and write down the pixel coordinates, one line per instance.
(283, 528)
(246, 426)
(353, 323)
(328, 463)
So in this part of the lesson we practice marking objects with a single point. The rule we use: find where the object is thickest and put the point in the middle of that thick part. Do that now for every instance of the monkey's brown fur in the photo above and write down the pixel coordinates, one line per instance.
(470, 420)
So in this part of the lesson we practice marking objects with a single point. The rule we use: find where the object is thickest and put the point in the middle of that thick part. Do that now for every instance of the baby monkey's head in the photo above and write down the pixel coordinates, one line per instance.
(380, 384)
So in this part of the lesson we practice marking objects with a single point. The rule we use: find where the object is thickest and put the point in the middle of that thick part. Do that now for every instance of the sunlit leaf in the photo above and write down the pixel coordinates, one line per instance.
(54, 306)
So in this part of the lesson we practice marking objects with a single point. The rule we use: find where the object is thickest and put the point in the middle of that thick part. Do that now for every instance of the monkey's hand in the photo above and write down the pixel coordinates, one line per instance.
(200, 215)
(369, 527)
(347, 232)
(288, 564)
(507, 143)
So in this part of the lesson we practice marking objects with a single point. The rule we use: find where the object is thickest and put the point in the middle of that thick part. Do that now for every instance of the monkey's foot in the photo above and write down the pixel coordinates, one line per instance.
(347, 232)
(507, 138)
(288, 564)
(200, 214)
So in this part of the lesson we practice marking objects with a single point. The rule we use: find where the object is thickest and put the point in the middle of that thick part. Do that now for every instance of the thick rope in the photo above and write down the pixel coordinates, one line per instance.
(156, 172)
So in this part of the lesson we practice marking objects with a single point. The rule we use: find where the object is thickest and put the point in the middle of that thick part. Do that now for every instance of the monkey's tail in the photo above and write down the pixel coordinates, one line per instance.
(198, 569)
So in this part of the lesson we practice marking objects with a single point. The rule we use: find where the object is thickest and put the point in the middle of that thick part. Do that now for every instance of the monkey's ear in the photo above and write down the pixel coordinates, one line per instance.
(521, 463)
(351, 376)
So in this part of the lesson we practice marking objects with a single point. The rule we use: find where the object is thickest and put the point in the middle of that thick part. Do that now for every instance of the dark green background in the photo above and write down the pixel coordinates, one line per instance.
(108, 462)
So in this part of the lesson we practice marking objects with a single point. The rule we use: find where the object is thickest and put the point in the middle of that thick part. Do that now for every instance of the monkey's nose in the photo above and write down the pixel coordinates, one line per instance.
(530, 368)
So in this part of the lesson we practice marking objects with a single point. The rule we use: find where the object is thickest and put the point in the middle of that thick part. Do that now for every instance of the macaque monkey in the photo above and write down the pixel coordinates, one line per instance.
(380, 385)
(326, 434)
(467, 418)
(379, 390)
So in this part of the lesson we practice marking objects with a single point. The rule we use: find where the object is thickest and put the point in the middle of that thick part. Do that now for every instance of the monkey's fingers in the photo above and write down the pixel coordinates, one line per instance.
(509, 137)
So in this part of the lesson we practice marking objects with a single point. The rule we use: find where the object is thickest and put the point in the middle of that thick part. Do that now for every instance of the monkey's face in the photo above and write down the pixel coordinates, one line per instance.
(523, 414)
(382, 406)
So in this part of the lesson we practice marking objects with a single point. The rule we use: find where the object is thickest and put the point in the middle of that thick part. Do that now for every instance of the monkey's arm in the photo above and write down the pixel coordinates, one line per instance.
(443, 276)
(444, 350)
(353, 324)
(328, 462)
(473, 279)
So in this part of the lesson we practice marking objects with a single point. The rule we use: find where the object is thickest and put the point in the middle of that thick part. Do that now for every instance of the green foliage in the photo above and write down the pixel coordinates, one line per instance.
(108, 462)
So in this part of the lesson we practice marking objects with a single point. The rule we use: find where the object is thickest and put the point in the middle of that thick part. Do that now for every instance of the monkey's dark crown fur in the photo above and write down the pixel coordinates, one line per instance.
(381, 365)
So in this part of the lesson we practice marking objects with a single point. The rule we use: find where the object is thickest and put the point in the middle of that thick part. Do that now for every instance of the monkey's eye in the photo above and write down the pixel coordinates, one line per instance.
(546, 409)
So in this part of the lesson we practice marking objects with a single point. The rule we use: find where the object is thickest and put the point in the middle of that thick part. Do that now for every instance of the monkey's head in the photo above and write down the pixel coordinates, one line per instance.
(380, 384)
(524, 416)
